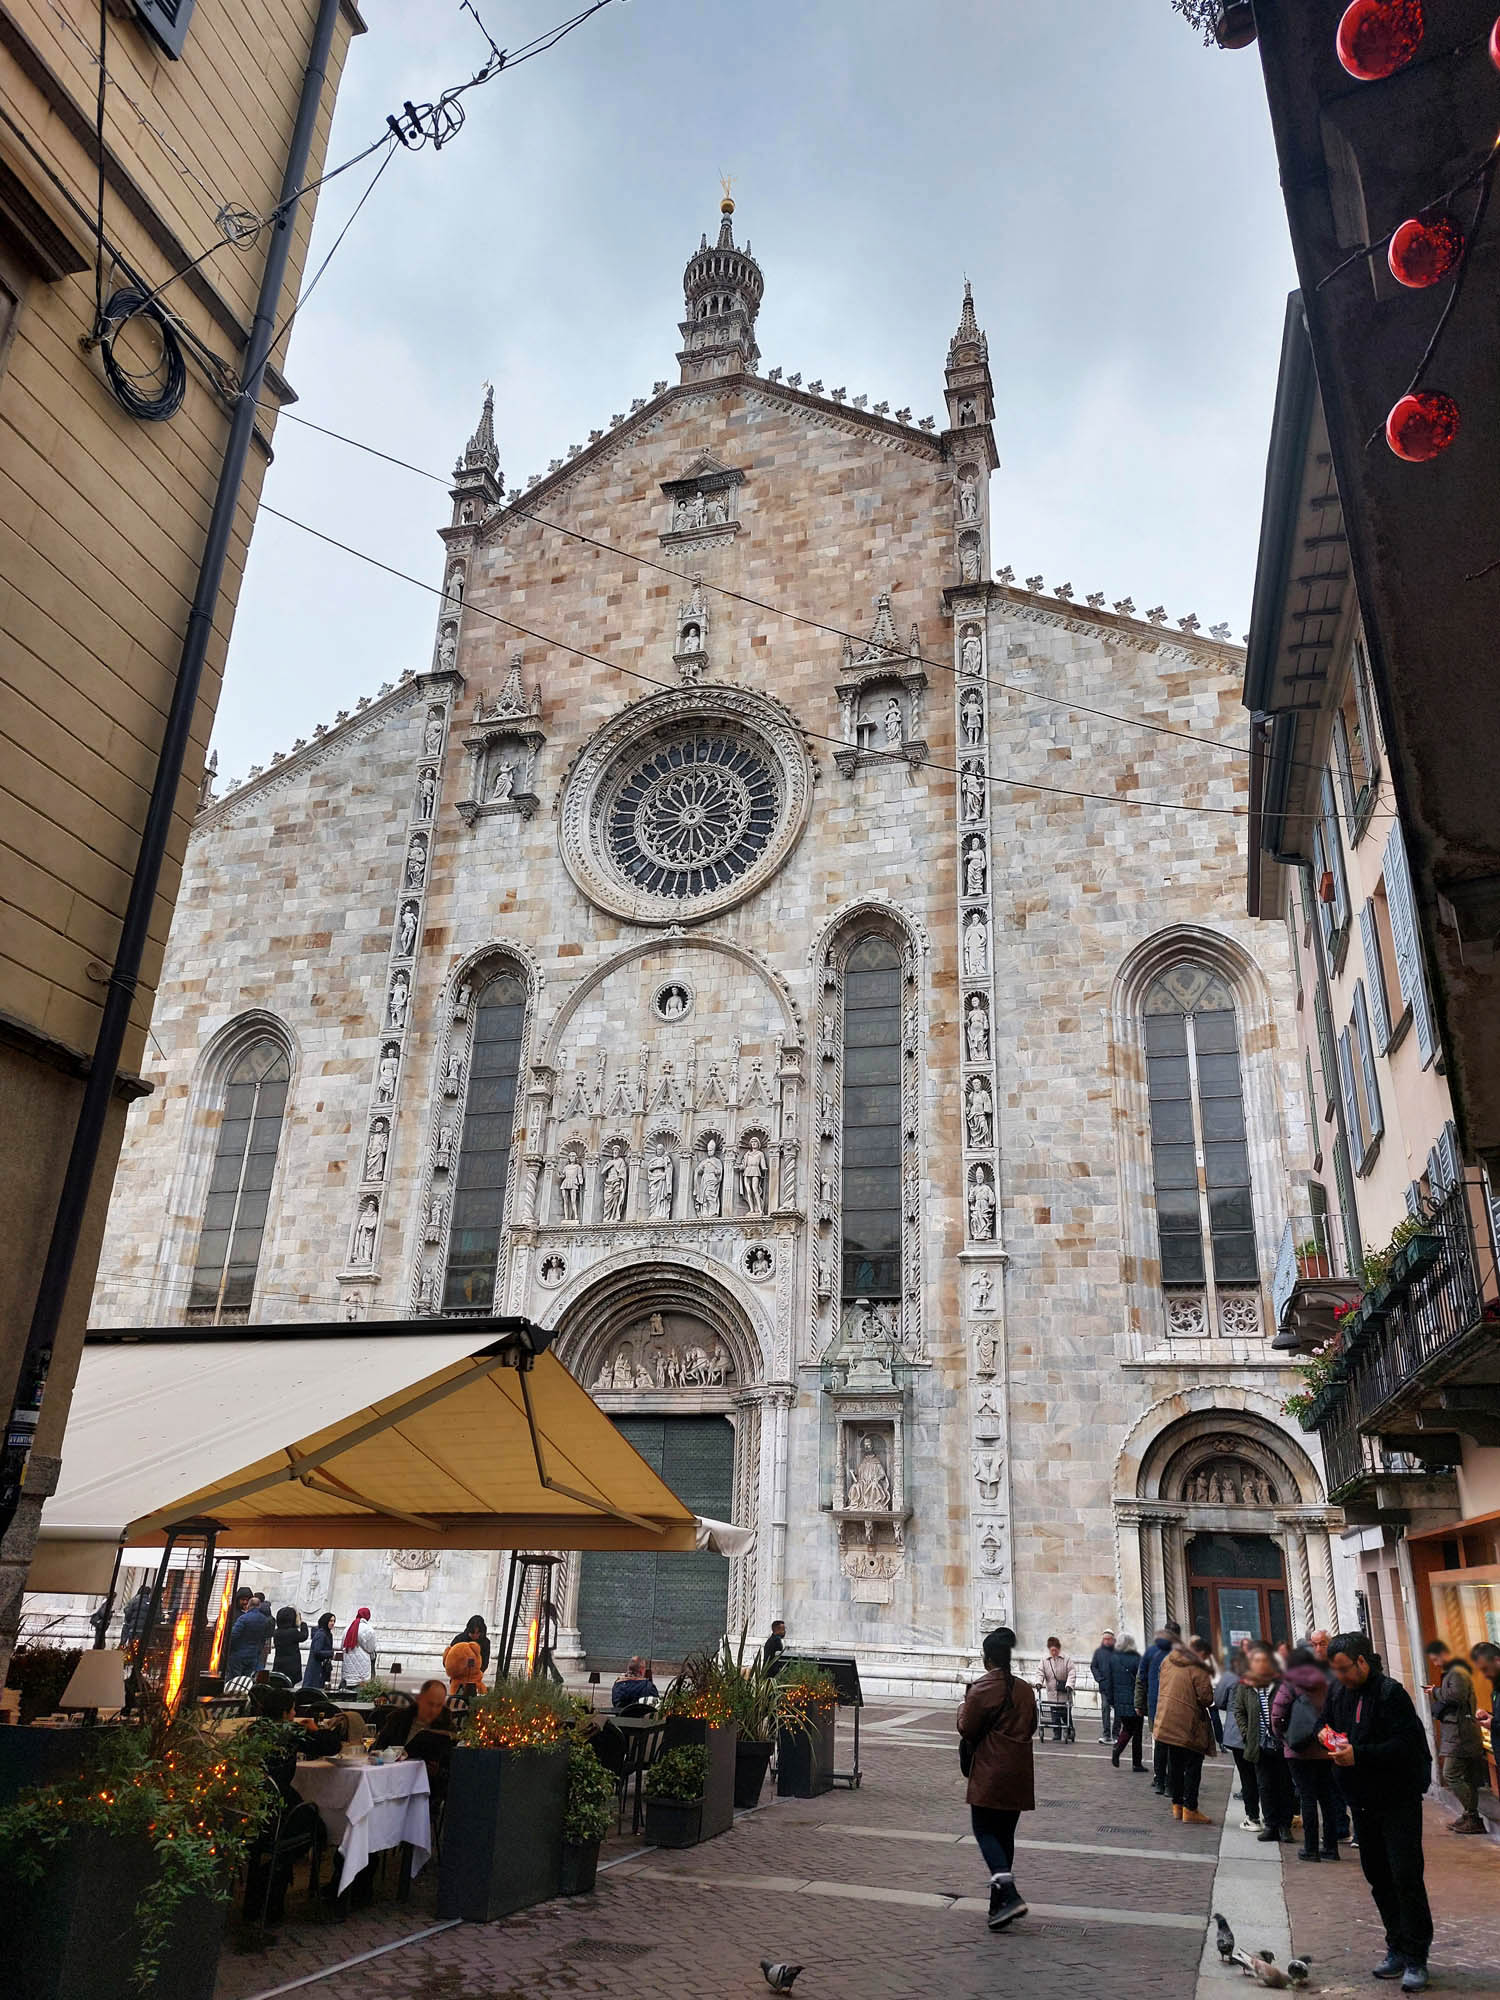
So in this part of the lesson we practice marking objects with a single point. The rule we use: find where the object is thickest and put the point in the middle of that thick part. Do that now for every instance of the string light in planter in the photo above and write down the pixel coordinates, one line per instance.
(1378, 37)
(1422, 253)
(1422, 425)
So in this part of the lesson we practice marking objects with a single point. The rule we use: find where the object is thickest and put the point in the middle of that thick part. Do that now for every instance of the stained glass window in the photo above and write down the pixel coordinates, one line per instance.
(484, 1148)
(871, 1186)
(239, 1188)
(1199, 1156)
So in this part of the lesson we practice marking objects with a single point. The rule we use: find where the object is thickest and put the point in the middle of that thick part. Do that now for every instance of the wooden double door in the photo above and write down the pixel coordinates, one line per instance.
(1237, 1590)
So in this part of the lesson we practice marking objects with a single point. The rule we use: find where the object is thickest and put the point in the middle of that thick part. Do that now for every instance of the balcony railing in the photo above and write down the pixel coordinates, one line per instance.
(1356, 1464)
(1312, 1277)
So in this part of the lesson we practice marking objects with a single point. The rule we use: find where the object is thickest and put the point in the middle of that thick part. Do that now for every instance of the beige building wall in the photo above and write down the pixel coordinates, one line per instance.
(102, 521)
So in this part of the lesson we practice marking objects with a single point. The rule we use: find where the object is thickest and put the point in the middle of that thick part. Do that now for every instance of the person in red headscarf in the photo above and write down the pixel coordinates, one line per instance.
(359, 1648)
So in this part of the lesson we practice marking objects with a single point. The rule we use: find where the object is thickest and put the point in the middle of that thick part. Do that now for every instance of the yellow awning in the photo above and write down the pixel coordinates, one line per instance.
(345, 1438)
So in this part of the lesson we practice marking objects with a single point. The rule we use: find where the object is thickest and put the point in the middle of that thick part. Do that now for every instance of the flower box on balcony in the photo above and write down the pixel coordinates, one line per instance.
(1415, 1255)
(1321, 1406)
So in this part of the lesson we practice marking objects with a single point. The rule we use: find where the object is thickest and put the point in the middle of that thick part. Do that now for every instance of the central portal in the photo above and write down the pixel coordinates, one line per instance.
(1237, 1584)
(663, 1606)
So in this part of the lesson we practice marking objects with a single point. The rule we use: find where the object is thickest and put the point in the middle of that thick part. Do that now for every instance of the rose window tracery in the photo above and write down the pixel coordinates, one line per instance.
(693, 815)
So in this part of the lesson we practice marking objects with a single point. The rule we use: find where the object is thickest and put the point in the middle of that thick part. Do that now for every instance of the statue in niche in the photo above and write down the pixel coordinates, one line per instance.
(400, 997)
(432, 735)
(456, 583)
(615, 1180)
(437, 1209)
(892, 723)
(758, 1261)
(659, 1178)
(976, 868)
(416, 861)
(982, 1292)
(447, 651)
(972, 711)
(445, 1140)
(976, 946)
(364, 1230)
(708, 1181)
(715, 510)
(825, 1190)
(674, 1003)
(432, 1284)
(973, 653)
(869, 1482)
(570, 1187)
(972, 785)
(385, 1074)
(426, 794)
(981, 1206)
(979, 1112)
(989, 1469)
(986, 1350)
(453, 1078)
(407, 936)
(503, 784)
(977, 1030)
(968, 562)
(376, 1148)
(968, 498)
(752, 1176)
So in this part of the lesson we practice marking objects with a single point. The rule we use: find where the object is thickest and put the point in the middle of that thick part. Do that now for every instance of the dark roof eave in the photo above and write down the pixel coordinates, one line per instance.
(1291, 424)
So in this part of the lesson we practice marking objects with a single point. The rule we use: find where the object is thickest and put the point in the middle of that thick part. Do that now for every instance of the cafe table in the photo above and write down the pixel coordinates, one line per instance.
(368, 1808)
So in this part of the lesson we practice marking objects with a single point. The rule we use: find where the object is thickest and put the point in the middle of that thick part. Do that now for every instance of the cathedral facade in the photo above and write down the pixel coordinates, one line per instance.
(807, 973)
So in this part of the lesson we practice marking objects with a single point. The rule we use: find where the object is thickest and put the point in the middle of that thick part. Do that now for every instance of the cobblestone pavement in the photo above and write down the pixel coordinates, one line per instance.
(878, 1892)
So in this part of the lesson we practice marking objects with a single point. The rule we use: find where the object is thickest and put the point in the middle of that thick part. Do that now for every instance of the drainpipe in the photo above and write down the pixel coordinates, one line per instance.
(31, 1379)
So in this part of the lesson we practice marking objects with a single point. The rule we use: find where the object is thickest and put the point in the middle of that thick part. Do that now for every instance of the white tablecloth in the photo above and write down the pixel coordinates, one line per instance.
(367, 1807)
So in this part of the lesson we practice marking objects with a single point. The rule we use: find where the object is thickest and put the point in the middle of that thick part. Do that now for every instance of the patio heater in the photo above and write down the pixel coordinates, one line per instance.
(176, 1638)
(529, 1600)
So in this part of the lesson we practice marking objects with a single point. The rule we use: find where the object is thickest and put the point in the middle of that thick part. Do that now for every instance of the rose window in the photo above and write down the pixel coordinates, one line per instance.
(693, 816)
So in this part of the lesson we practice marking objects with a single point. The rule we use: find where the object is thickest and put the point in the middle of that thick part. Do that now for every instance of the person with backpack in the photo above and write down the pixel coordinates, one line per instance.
(995, 1725)
(1461, 1759)
(1380, 1753)
(1296, 1717)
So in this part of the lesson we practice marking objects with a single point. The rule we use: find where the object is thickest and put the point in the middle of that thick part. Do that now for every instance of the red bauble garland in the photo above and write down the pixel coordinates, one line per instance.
(1423, 253)
(1495, 43)
(1378, 37)
(1422, 425)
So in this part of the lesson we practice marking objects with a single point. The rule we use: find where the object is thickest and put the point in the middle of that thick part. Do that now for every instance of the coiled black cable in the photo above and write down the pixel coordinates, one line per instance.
(168, 382)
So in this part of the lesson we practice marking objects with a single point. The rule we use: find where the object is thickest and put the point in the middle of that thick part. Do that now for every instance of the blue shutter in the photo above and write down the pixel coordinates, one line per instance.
(1367, 1061)
(1380, 1013)
(1352, 1122)
(1325, 1046)
(1452, 1159)
(1414, 1200)
(1348, 1217)
(1408, 941)
(166, 21)
(1335, 858)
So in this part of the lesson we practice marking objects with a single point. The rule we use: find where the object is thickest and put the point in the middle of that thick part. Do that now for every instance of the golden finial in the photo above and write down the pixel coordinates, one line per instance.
(726, 206)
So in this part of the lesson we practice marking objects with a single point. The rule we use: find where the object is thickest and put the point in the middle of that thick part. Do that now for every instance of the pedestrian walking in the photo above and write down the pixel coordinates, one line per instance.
(1250, 1706)
(249, 1641)
(1122, 1670)
(1151, 1661)
(1380, 1754)
(1461, 1758)
(1232, 1739)
(319, 1669)
(1099, 1668)
(1185, 1696)
(1296, 1717)
(1056, 1684)
(995, 1725)
(359, 1649)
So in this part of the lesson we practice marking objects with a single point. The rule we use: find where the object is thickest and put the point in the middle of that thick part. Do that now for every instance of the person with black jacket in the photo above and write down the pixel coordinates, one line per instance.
(1384, 1767)
(286, 1644)
(1099, 1668)
(1117, 1692)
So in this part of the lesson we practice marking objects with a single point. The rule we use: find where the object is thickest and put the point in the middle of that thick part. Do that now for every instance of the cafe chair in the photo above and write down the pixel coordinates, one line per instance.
(295, 1833)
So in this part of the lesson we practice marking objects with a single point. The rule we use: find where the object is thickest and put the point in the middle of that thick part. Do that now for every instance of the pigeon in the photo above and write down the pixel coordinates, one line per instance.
(1263, 1966)
(780, 1978)
(1224, 1937)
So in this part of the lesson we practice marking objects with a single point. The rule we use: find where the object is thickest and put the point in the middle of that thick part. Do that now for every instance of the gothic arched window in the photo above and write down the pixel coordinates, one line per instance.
(239, 1188)
(1200, 1161)
(871, 1186)
(484, 1147)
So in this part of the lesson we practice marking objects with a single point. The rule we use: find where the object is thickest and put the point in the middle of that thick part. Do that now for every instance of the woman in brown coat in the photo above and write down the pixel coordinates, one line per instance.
(996, 1722)
(1185, 1695)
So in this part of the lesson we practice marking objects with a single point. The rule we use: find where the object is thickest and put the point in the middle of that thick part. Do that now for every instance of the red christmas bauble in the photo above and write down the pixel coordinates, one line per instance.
(1495, 43)
(1378, 37)
(1422, 253)
(1422, 425)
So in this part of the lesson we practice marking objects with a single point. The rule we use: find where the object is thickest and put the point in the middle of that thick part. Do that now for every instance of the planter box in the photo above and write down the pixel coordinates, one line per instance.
(1416, 1254)
(669, 1823)
(502, 1832)
(804, 1764)
(718, 1794)
(580, 1865)
(750, 1762)
(80, 1934)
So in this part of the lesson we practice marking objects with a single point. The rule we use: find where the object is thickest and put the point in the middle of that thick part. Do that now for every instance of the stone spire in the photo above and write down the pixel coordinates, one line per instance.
(477, 479)
(968, 334)
(481, 452)
(721, 289)
(967, 384)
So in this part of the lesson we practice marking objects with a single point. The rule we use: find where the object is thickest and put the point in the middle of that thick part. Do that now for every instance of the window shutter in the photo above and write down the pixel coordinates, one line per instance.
(1296, 947)
(1325, 1046)
(1352, 1122)
(1367, 1061)
(1414, 1199)
(1436, 1184)
(1348, 1215)
(1312, 1109)
(1408, 942)
(1346, 770)
(1335, 853)
(1448, 1153)
(1380, 1013)
(166, 21)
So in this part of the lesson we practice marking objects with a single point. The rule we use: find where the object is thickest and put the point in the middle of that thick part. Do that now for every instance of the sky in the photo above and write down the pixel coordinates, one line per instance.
(1107, 184)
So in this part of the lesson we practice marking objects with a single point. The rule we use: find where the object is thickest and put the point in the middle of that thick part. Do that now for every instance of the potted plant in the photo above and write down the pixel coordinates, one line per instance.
(1313, 1260)
(586, 1817)
(507, 1796)
(139, 1851)
(806, 1708)
(752, 1697)
(675, 1788)
(699, 1710)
